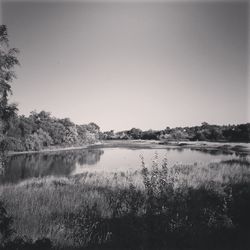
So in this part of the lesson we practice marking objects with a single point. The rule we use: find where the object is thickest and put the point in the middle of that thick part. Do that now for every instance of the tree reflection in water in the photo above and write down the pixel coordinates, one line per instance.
(21, 167)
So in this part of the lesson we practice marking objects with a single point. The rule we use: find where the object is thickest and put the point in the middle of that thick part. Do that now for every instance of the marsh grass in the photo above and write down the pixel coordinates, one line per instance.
(161, 207)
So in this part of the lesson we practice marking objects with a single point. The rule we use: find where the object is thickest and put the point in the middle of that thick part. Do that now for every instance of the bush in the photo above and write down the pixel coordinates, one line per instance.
(5, 225)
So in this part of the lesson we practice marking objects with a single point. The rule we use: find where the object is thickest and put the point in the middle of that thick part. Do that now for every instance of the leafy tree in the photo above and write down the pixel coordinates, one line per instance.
(108, 135)
(71, 136)
(150, 135)
(135, 133)
(38, 140)
(8, 61)
(57, 132)
(93, 128)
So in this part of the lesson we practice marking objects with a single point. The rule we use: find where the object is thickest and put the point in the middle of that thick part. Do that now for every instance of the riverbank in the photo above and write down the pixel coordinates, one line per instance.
(220, 147)
(224, 147)
(52, 149)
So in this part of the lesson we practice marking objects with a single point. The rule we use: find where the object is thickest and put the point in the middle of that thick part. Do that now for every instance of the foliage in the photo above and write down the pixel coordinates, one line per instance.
(205, 132)
(40, 130)
(38, 140)
(8, 61)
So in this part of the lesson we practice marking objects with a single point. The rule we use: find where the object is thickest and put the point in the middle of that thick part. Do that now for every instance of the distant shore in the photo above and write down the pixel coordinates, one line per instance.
(224, 147)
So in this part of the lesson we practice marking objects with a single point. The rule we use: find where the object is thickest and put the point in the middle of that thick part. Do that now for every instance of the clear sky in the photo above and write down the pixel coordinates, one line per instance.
(125, 64)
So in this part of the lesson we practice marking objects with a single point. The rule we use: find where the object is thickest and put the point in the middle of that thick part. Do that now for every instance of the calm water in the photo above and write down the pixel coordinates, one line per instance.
(65, 163)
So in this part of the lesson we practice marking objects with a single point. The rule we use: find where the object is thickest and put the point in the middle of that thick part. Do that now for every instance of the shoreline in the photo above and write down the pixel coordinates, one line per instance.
(226, 147)
(47, 150)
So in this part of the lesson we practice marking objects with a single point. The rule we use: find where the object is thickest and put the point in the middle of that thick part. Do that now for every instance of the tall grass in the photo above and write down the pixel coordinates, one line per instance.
(161, 207)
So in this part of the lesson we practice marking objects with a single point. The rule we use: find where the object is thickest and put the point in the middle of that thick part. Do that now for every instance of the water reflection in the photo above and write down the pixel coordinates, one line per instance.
(215, 151)
(20, 167)
(180, 150)
(65, 163)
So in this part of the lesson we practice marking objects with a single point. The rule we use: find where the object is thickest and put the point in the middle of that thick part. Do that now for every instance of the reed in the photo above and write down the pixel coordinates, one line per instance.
(88, 209)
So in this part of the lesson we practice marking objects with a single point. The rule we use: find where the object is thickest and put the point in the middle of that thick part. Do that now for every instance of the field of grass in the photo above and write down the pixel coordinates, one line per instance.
(169, 207)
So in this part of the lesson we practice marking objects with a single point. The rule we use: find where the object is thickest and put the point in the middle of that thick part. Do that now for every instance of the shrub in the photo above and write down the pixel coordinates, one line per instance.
(5, 225)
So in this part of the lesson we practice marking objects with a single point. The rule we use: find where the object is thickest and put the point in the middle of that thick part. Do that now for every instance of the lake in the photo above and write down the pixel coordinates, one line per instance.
(73, 162)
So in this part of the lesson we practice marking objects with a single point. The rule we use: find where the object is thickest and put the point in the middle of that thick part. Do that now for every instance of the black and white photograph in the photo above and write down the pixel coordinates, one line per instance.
(124, 125)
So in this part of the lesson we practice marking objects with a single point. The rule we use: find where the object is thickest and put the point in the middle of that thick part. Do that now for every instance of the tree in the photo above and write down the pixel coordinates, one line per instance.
(71, 136)
(135, 133)
(38, 140)
(8, 61)
(150, 135)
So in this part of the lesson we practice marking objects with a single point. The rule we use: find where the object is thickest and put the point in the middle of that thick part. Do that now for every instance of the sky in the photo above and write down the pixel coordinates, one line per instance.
(123, 64)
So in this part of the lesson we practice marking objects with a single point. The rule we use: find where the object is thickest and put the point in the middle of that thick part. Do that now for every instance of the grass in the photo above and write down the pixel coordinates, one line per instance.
(164, 207)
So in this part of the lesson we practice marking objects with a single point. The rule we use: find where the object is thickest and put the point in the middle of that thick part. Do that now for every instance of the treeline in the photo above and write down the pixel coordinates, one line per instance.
(41, 130)
(205, 132)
